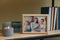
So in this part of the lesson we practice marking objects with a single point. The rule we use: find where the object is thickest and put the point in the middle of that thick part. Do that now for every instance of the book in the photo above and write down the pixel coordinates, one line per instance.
(49, 22)
(55, 19)
(58, 18)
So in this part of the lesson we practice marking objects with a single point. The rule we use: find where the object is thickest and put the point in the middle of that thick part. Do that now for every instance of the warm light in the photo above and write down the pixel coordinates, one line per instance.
(7, 27)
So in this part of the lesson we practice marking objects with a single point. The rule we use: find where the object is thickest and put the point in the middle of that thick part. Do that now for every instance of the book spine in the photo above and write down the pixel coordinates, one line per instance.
(55, 19)
(49, 18)
(52, 22)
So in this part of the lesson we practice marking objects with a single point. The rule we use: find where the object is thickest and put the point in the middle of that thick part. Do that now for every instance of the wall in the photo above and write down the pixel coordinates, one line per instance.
(57, 3)
(12, 10)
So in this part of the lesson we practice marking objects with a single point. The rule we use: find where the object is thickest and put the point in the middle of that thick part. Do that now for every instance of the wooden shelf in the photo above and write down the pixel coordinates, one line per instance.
(18, 35)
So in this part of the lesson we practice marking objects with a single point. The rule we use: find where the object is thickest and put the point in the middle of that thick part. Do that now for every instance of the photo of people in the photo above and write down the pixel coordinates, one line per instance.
(35, 24)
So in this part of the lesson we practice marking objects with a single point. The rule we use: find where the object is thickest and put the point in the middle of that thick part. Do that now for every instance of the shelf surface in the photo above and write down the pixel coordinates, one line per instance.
(18, 35)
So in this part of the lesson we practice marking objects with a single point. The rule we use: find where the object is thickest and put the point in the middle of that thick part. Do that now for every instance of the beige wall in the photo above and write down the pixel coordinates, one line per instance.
(12, 10)
(57, 3)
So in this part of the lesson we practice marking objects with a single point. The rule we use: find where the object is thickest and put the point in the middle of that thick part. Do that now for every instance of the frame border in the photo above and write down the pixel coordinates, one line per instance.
(34, 15)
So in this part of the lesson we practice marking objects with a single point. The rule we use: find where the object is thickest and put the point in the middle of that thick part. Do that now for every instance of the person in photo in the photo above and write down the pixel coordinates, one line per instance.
(42, 25)
(35, 26)
(27, 26)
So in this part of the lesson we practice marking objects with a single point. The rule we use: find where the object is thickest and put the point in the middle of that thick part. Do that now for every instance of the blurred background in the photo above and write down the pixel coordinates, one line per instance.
(12, 10)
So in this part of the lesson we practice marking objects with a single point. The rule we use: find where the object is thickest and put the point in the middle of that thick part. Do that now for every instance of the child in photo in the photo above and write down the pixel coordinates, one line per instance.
(42, 25)
(27, 26)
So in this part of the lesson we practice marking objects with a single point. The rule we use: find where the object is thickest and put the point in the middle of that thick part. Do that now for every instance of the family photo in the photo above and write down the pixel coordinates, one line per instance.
(35, 24)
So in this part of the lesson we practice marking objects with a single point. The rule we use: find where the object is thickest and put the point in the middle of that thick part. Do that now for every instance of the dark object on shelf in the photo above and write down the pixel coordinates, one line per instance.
(17, 25)
(45, 10)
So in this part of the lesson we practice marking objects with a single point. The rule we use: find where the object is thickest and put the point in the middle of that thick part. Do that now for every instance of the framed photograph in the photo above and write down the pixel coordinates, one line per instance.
(34, 23)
